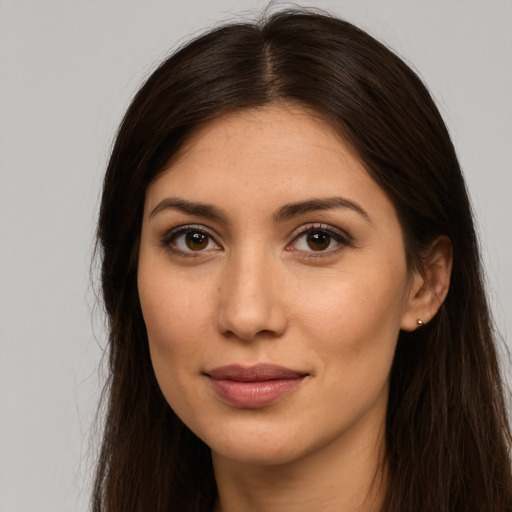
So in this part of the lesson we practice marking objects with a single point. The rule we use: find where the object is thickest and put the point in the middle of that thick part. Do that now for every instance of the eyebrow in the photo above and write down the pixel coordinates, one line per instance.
(312, 205)
(285, 212)
(189, 207)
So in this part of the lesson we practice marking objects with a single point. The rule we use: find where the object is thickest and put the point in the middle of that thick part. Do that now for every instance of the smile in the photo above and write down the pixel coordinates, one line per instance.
(253, 387)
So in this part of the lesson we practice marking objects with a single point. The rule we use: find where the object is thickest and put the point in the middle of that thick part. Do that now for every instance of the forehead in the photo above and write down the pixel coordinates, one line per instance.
(267, 156)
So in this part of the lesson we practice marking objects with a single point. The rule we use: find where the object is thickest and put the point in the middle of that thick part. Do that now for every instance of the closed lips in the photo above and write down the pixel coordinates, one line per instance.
(255, 386)
(257, 373)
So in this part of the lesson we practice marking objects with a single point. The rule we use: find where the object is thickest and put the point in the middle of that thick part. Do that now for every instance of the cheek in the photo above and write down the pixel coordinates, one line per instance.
(352, 307)
(352, 324)
(173, 320)
(354, 336)
(177, 333)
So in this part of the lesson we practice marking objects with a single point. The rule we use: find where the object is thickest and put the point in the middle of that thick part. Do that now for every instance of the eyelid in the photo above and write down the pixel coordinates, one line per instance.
(169, 233)
(167, 239)
(340, 236)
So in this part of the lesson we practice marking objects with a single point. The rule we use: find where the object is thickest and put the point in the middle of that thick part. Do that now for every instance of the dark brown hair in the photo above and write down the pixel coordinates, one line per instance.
(447, 433)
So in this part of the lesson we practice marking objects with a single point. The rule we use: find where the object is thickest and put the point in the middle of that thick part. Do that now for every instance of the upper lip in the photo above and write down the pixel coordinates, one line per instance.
(256, 373)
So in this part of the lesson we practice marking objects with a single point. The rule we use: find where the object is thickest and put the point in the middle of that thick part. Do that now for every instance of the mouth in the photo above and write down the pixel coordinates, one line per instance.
(253, 386)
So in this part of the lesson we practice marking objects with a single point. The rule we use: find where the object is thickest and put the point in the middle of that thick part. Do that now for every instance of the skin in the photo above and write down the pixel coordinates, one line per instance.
(258, 292)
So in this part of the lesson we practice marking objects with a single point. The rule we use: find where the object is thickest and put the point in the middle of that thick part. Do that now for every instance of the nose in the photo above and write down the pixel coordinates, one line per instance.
(251, 303)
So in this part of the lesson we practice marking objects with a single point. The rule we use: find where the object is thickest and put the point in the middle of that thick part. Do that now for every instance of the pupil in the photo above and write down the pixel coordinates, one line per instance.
(196, 241)
(318, 241)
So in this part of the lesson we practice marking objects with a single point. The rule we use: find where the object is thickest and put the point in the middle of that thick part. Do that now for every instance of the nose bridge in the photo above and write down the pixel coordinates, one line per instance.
(250, 301)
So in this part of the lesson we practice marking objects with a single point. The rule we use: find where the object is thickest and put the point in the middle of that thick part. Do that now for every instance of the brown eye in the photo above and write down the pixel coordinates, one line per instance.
(196, 241)
(318, 240)
(187, 240)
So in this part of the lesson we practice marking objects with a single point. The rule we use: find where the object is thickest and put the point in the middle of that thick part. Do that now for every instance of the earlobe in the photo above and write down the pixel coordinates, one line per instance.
(429, 285)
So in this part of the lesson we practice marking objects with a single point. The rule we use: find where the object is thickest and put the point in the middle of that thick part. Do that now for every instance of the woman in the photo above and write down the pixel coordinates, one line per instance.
(293, 285)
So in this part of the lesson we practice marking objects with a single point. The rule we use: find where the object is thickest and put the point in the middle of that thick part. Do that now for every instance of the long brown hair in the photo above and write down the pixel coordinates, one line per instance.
(447, 433)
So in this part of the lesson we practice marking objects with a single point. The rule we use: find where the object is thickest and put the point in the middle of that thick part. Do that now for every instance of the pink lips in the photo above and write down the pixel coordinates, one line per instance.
(254, 386)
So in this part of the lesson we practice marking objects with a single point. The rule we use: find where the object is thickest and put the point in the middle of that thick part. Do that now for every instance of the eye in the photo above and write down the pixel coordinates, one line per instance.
(319, 239)
(189, 239)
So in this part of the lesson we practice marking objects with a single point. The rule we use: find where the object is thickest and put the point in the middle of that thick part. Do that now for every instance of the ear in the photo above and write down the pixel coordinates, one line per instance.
(429, 285)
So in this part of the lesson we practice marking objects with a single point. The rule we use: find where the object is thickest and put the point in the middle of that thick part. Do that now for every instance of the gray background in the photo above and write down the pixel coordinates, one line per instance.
(67, 72)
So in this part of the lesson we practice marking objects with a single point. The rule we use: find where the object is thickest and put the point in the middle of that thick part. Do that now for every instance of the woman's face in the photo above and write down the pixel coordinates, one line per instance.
(273, 284)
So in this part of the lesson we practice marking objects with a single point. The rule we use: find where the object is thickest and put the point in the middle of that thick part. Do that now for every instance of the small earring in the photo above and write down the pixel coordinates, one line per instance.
(419, 323)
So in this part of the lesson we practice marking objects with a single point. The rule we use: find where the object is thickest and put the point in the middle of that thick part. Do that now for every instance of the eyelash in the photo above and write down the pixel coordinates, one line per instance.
(342, 239)
(169, 240)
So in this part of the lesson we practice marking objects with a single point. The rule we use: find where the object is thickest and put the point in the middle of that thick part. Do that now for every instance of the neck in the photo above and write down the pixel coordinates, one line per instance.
(347, 474)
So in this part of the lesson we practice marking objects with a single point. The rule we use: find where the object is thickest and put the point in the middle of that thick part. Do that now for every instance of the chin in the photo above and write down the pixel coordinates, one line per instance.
(267, 444)
(254, 454)
(253, 442)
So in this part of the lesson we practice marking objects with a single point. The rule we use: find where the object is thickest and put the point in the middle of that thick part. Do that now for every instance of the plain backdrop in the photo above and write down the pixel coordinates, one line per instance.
(67, 72)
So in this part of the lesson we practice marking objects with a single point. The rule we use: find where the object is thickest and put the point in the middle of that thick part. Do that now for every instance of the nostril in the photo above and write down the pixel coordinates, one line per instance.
(250, 303)
(247, 324)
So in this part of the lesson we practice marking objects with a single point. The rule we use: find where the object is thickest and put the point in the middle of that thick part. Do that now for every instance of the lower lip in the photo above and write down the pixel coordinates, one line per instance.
(251, 395)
